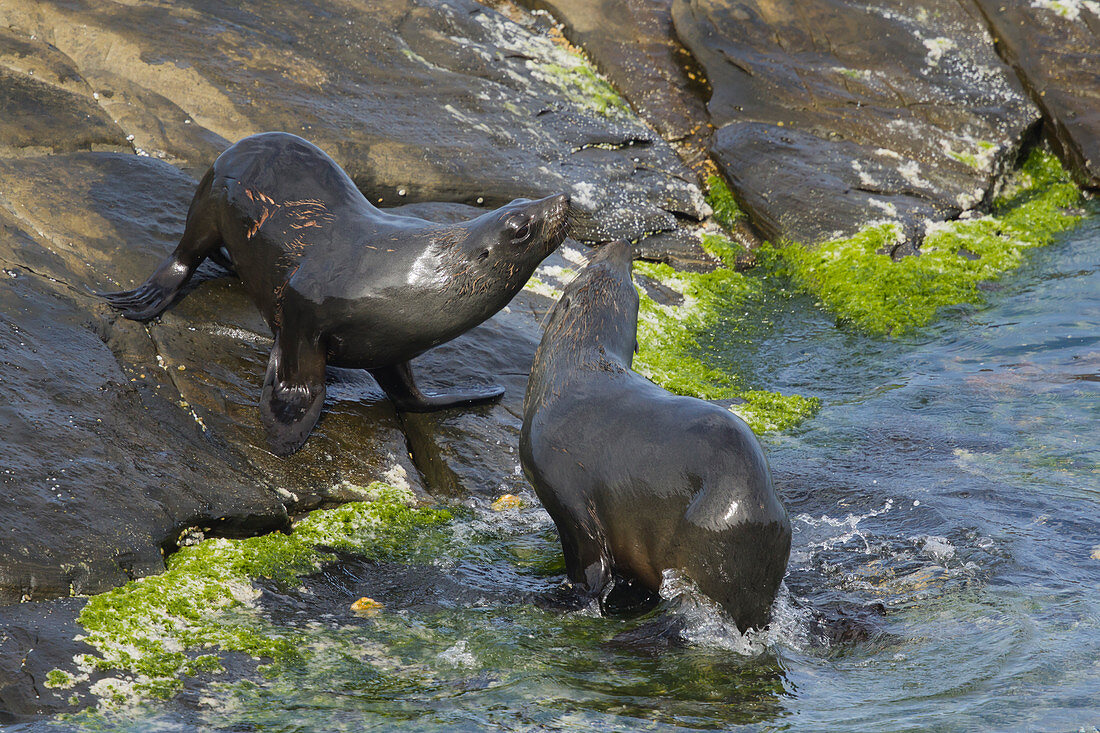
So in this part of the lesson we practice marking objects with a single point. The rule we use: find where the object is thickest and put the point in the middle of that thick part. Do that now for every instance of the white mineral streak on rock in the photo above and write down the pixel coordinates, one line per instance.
(1068, 9)
(910, 171)
(574, 255)
(584, 195)
(397, 477)
(865, 178)
(887, 207)
(937, 47)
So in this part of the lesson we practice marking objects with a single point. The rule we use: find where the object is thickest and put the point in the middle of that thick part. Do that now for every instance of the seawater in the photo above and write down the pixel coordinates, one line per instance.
(945, 572)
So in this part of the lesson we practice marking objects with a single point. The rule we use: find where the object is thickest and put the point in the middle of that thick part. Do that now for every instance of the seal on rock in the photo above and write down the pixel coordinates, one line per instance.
(639, 480)
(342, 282)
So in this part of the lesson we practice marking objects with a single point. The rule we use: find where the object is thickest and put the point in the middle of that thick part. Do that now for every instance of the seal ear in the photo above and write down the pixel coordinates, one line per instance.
(293, 393)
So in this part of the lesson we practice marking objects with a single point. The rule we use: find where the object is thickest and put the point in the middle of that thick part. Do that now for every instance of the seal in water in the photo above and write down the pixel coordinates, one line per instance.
(341, 282)
(638, 480)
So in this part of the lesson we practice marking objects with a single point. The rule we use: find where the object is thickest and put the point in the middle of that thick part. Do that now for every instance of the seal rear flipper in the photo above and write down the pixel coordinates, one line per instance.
(293, 393)
(398, 384)
(586, 559)
(200, 238)
(153, 296)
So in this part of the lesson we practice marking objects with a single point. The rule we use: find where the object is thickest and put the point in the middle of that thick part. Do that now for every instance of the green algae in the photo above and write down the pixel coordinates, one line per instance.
(153, 631)
(769, 412)
(582, 86)
(966, 159)
(673, 340)
(668, 335)
(722, 203)
(59, 679)
(723, 248)
(854, 279)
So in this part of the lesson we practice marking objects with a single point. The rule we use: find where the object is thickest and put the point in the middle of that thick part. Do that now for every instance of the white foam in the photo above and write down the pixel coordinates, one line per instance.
(458, 655)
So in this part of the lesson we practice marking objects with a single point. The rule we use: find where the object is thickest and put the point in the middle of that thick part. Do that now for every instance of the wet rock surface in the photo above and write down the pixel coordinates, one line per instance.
(1053, 47)
(36, 638)
(416, 100)
(833, 114)
(463, 452)
(633, 44)
(99, 476)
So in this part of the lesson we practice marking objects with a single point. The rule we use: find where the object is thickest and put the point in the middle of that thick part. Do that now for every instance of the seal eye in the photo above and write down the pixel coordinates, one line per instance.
(483, 256)
(522, 233)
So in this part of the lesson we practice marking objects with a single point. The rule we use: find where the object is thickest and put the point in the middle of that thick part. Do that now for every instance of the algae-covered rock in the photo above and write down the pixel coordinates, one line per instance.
(148, 636)
(831, 115)
(679, 337)
(856, 279)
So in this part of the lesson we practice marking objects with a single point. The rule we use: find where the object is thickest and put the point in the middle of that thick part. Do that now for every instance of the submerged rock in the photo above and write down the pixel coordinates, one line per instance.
(831, 115)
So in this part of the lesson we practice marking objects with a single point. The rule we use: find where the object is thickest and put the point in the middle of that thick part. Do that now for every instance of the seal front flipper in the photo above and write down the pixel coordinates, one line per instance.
(293, 393)
(397, 381)
(586, 557)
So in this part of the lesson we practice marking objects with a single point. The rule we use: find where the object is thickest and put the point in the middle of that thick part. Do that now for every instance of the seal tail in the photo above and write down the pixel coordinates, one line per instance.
(200, 239)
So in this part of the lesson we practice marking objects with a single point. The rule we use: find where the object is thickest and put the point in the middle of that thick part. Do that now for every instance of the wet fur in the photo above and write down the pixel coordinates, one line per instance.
(342, 282)
(637, 480)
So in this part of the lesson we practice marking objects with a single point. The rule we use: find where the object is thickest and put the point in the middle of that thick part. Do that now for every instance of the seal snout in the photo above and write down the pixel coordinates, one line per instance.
(557, 216)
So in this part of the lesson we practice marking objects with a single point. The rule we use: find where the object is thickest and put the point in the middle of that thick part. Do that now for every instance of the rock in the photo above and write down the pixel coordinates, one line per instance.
(1053, 48)
(475, 451)
(45, 106)
(633, 44)
(98, 478)
(158, 422)
(681, 249)
(832, 115)
(509, 113)
(35, 639)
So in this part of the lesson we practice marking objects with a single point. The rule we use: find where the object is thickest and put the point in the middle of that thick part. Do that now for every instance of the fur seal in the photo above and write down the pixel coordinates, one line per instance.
(638, 480)
(342, 282)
